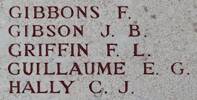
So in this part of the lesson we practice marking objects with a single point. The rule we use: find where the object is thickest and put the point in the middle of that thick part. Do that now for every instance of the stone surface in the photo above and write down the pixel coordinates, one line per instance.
(171, 36)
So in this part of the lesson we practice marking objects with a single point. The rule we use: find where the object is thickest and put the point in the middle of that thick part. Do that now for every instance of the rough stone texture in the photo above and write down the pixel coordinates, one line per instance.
(171, 29)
